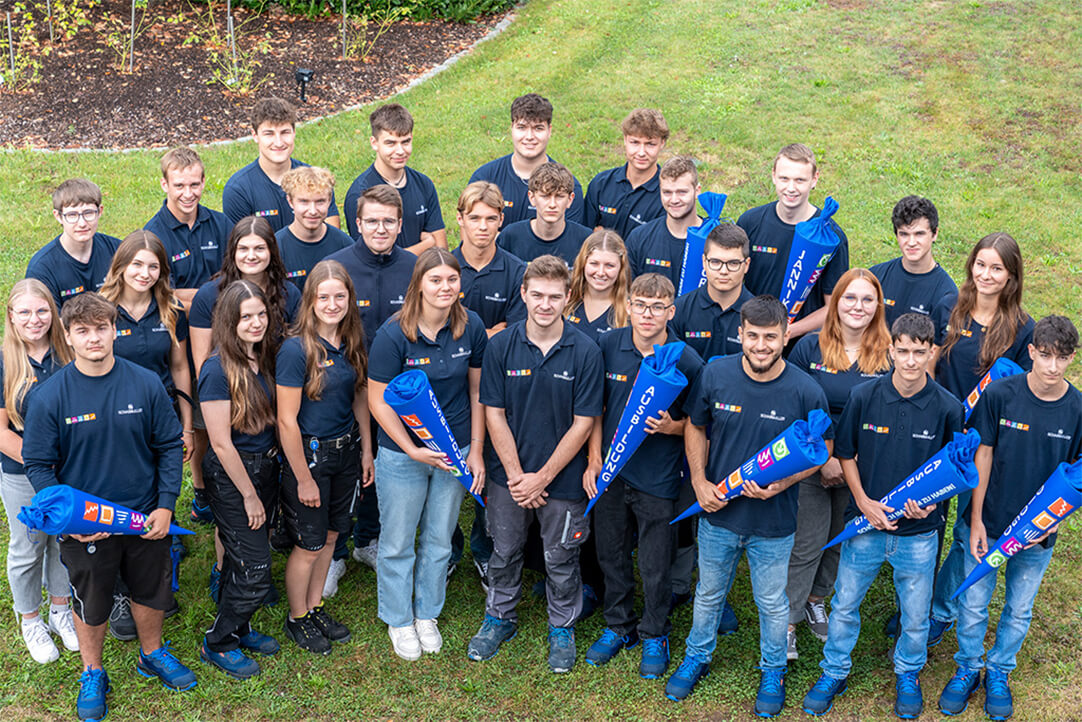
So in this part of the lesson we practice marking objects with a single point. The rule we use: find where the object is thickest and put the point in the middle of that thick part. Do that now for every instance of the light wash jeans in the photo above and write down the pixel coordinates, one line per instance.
(33, 557)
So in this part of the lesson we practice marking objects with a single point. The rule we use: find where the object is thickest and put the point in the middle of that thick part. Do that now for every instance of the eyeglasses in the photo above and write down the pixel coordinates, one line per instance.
(23, 315)
(851, 300)
(656, 309)
(732, 266)
(87, 215)
(372, 224)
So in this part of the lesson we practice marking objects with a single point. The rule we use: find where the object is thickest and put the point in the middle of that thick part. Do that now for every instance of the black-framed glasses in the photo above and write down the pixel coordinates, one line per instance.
(732, 266)
(656, 309)
(87, 215)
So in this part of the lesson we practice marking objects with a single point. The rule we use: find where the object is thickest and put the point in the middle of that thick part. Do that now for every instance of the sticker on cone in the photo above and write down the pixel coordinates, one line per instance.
(63, 509)
(814, 243)
(692, 273)
(1001, 369)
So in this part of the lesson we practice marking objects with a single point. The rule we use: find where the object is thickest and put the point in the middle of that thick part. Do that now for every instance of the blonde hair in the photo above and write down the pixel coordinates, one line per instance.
(19, 374)
(308, 179)
(603, 240)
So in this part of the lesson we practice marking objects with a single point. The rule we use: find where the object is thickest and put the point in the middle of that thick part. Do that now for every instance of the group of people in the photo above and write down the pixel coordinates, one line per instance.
(257, 345)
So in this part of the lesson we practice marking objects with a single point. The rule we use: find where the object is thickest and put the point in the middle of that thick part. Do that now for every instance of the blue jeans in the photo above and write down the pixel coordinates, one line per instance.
(768, 560)
(913, 561)
(418, 509)
(951, 572)
(1023, 575)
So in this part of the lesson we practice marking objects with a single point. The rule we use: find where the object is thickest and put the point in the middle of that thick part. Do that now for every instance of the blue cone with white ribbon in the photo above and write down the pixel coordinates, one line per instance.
(1001, 369)
(62, 509)
(814, 243)
(692, 274)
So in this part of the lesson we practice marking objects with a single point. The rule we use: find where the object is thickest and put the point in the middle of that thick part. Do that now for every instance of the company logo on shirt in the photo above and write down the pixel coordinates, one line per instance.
(209, 246)
(130, 410)
(1059, 435)
(658, 262)
(184, 254)
(607, 209)
(297, 274)
(924, 435)
(327, 363)
(563, 376)
(696, 334)
(80, 419)
(1014, 424)
(731, 408)
(508, 204)
(123, 332)
(496, 297)
(875, 429)
(764, 249)
(519, 372)
(888, 301)
(919, 309)
(418, 361)
(615, 377)
(574, 319)
(72, 291)
(773, 416)
(160, 328)
(420, 211)
(637, 218)
(461, 352)
(264, 214)
(363, 303)
(397, 301)
(822, 367)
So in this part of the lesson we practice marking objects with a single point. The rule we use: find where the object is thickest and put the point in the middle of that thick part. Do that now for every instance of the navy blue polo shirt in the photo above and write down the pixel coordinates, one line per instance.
(891, 436)
(771, 240)
(380, 282)
(332, 415)
(514, 189)
(66, 277)
(202, 309)
(655, 466)
(520, 240)
(213, 386)
(652, 248)
(594, 329)
(905, 292)
(446, 362)
(251, 192)
(299, 257)
(146, 341)
(611, 202)
(1029, 439)
(707, 327)
(493, 292)
(195, 254)
(541, 395)
(115, 436)
(836, 383)
(42, 371)
(959, 371)
(420, 205)
(745, 415)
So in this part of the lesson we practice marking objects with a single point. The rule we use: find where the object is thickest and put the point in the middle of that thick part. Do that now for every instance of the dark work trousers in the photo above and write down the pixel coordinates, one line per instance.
(480, 543)
(366, 529)
(246, 568)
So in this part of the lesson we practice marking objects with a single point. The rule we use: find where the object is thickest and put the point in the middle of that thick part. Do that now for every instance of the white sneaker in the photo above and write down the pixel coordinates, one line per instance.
(38, 641)
(62, 624)
(429, 635)
(405, 642)
(336, 571)
(367, 555)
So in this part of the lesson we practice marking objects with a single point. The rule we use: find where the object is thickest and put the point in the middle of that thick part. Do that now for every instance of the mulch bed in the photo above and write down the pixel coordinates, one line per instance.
(83, 100)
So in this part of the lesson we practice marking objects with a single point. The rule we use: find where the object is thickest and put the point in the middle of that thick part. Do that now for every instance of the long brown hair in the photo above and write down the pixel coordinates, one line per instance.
(1010, 316)
(410, 315)
(113, 287)
(603, 240)
(250, 410)
(874, 340)
(19, 375)
(275, 292)
(349, 328)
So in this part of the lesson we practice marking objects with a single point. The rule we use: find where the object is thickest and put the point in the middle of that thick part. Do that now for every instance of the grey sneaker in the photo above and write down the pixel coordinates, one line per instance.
(367, 554)
(790, 645)
(815, 614)
(561, 649)
(489, 637)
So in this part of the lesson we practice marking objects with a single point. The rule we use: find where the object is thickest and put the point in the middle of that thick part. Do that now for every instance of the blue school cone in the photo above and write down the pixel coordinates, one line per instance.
(63, 509)
(814, 243)
(691, 272)
(1001, 369)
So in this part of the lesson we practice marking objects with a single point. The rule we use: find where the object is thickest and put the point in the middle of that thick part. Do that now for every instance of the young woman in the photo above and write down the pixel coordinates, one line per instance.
(241, 471)
(34, 348)
(851, 349)
(325, 430)
(417, 492)
(600, 280)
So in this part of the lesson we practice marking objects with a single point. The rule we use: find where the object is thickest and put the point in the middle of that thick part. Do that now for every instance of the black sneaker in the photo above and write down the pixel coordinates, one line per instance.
(332, 629)
(306, 635)
(121, 624)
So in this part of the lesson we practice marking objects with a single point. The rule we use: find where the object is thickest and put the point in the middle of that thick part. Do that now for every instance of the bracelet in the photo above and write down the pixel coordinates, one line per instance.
(187, 431)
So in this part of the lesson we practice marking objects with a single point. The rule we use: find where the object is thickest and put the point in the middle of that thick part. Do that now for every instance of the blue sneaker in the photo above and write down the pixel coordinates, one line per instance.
(201, 512)
(162, 664)
(820, 698)
(729, 623)
(235, 663)
(561, 649)
(684, 679)
(261, 643)
(908, 699)
(771, 695)
(489, 637)
(655, 657)
(93, 686)
(998, 703)
(960, 687)
(608, 645)
(936, 630)
(590, 602)
(215, 586)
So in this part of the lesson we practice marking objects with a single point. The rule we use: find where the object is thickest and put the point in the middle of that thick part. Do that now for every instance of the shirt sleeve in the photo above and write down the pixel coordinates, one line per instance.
(235, 204)
(697, 405)
(182, 325)
(590, 386)
(984, 417)
(386, 357)
(634, 255)
(492, 373)
(1020, 348)
(691, 365)
(516, 309)
(801, 356)
(577, 210)
(202, 307)
(41, 442)
(590, 217)
(293, 302)
(478, 341)
(40, 271)
(352, 196)
(434, 217)
(212, 384)
(941, 315)
(845, 438)
(290, 365)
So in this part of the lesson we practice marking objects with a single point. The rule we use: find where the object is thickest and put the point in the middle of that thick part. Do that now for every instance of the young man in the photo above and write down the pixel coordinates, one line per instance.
(550, 232)
(255, 189)
(308, 239)
(770, 229)
(77, 260)
(913, 282)
(747, 399)
(531, 128)
(541, 385)
(708, 318)
(194, 236)
(1029, 424)
(392, 141)
(658, 246)
(90, 415)
(627, 196)
(879, 446)
(643, 498)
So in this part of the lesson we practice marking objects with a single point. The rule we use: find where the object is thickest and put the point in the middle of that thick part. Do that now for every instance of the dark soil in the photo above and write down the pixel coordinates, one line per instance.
(172, 97)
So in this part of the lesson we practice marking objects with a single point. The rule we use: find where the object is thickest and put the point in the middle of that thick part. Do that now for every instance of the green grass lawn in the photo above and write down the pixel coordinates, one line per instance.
(973, 104)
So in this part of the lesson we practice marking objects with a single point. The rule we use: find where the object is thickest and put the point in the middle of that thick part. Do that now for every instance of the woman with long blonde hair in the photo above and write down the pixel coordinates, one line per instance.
(600, 280)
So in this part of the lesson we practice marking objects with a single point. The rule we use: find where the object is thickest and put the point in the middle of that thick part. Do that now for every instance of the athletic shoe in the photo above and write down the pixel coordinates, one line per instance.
(936, 630)
(998, 702)
(405, 642)
(684, 679)
(328, 626)
(678, 600)
(815, 614)
(121, 624)
(201, 511)
(215, 585)
(908, 699)
(162, 664)
(428, 634)
(608, 645)
(93, 686)
(791, 654)
(655, 657)
(482, 571)
(260, 643)
(235, 663)
(890, 629)
(489, 637)
(820, 698)
(451, 567)
(960, 687)
(306, 635)
(367, 555)
(561, 649)
(62, 624)
(729, 623)
(771, 695)
(589, 602)
(37, 639)
(336, 571)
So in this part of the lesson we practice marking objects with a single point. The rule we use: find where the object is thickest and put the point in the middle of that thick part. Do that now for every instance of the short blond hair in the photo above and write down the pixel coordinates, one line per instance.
(480, 192)
(308, 179)
(647, 123)
(179, 159)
